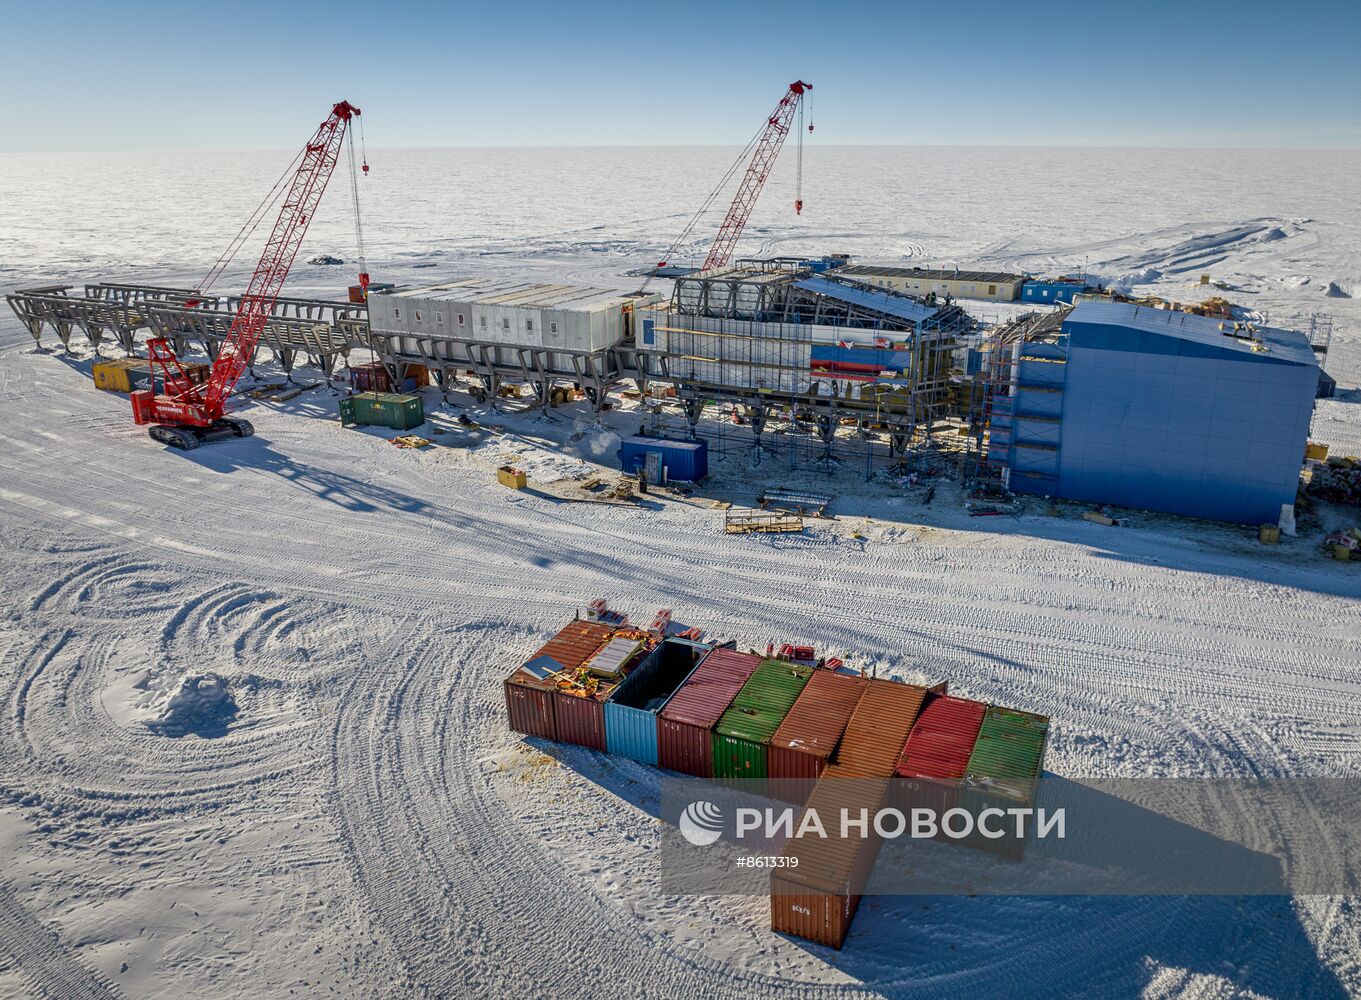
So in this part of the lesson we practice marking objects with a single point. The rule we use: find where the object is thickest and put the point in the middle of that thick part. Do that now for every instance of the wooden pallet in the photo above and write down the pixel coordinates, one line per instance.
(745, 522)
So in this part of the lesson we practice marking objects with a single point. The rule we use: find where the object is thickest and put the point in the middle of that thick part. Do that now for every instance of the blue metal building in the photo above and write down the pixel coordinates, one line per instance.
(1049, 291)
(1160, 410)
(681, 461)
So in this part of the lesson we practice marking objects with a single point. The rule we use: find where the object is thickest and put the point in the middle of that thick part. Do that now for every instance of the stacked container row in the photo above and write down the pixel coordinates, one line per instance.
(685, 724)
(743, 733)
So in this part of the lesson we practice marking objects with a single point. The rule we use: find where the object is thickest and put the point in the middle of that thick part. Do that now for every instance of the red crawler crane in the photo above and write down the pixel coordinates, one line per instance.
(185, 415)
(765, 148)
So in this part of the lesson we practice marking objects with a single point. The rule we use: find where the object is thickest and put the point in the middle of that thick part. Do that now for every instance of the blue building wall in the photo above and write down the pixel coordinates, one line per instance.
(1050, 291)
(1163, 422)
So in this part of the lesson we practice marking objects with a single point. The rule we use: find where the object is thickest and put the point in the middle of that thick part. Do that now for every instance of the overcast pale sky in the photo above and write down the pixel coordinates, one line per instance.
(139, 74)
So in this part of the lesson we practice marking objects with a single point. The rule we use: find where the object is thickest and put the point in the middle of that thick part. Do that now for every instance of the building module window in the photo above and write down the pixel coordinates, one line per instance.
(505, 323)
(484, 322)
(529, 326)
(460, 319)
(418, 315)
(396, 313)
(553, 326)
(439, 319)
(992, 289)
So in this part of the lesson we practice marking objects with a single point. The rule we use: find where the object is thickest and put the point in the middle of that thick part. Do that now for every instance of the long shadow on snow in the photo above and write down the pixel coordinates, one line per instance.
(1102, 946)
(360, 497)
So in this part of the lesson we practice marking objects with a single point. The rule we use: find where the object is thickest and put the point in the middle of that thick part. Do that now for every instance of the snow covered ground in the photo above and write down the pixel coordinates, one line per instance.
(353, 818)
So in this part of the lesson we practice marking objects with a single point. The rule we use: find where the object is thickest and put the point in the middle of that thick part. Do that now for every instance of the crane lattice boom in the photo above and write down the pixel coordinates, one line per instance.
(762, 160)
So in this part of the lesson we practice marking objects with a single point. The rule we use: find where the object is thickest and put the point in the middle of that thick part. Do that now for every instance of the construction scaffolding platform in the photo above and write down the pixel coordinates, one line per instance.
(775, 340)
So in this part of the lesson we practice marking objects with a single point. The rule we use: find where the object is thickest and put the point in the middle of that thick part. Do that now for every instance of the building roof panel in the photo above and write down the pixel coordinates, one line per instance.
(522, 294)
(898, 306)
(930, 274)
(1286, 346)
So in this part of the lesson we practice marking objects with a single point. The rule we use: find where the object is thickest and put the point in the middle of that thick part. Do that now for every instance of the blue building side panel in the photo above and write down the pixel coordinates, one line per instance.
(1209, 436)
(631, 732)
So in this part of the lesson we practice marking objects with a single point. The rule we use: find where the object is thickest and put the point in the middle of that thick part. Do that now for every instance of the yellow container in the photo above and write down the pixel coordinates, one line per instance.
(127, 374)
(1342, 553)
(510, 476)
(1316, 452)
(112, 376)
(1269, 534)
(1096, 518)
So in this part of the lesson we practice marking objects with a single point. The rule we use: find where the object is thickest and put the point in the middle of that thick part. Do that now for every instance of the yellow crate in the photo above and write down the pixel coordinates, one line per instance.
(510, 476)
(1269, 534)
(1316, 452)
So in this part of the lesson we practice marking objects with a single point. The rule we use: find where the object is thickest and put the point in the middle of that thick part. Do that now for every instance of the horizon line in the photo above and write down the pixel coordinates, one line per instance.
(723, 145)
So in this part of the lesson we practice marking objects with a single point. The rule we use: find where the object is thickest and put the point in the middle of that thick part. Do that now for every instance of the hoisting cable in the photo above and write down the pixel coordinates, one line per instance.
(358, 227)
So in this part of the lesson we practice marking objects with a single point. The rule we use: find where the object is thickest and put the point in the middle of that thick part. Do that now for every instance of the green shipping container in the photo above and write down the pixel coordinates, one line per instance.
(1008, 756)
(742, 734)
(383, 409)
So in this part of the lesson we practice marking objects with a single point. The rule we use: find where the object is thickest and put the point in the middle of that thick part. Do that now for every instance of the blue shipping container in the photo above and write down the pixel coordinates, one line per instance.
(683, 461)
(631, 713)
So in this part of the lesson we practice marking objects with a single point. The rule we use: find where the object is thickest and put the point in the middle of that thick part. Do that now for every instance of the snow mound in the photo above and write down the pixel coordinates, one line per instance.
(200, 703)
(1335, 291)
(1144, 276)
(1272, 235)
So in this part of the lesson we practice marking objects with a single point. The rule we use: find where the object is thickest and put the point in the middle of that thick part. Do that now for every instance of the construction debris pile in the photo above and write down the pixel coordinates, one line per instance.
(1338, 480)
(662, 696)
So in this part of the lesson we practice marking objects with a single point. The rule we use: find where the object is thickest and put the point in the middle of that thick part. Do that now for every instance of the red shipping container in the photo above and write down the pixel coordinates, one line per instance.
(931, 768)
(529, 705)
(684, 740)
(581, 720)
(531, 688)
(878, 729)
(809, 734)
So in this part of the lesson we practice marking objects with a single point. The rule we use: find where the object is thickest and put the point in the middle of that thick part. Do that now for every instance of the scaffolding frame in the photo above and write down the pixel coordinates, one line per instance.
(744, 337)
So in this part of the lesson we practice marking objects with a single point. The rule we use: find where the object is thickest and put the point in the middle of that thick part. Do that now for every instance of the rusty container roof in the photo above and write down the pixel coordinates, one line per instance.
(570, 648)
(815, 724)
(704, 698)
(942, 740)
(878, 728)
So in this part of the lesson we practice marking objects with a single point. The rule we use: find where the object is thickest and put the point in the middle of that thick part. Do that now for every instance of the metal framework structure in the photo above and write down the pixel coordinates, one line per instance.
(744, 338)
(491, 365)
(997, 425)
